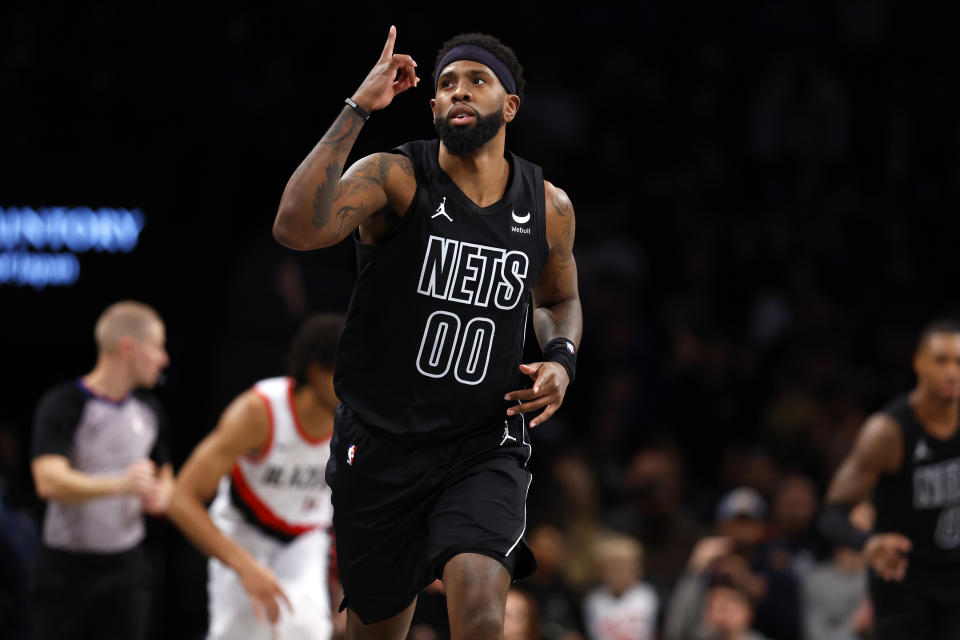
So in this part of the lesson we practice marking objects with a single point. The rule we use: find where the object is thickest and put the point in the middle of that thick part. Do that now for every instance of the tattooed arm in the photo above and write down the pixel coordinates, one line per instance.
(319, 208)
(556, 314)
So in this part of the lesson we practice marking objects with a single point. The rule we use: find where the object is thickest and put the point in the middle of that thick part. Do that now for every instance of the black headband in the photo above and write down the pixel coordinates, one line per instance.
(478, 54)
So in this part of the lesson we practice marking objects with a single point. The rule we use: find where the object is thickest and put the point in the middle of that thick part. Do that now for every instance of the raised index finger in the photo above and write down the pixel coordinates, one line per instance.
(388, 47)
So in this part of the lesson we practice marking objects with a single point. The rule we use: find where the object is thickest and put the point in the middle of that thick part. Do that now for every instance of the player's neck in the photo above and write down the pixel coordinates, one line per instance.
(938, 415)
(315, 417)
(482, 175)
(109, 379)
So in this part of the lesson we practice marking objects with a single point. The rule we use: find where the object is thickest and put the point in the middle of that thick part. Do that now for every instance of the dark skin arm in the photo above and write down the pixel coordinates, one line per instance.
(319, 207)
(556, 314)
(878, 450)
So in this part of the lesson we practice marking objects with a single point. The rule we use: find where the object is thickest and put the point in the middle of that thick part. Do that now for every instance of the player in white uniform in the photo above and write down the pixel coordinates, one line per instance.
(267, 529)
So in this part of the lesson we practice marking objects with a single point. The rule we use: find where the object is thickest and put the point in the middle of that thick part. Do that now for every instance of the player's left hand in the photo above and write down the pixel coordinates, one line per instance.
(550, 382)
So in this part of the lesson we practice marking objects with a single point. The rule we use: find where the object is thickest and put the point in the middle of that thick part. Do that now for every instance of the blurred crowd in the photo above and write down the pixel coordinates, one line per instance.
(761, 196)
(652, 559)
(647, 558)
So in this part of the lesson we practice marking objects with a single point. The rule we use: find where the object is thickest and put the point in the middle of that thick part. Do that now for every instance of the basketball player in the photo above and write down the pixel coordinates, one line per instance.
(266, 531)
(428, 458)
(100, 461)
(908, 455)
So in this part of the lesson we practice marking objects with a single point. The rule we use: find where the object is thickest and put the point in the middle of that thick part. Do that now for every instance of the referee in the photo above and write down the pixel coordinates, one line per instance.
(100, 462)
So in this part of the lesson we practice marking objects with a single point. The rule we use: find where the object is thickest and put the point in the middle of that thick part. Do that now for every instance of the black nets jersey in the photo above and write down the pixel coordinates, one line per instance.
(922, 499)
(436, 324)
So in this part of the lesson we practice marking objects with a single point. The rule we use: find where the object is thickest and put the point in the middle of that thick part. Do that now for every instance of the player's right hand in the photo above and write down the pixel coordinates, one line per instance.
(264, 591)
(140, 477)
(887, 555)
(383, 81)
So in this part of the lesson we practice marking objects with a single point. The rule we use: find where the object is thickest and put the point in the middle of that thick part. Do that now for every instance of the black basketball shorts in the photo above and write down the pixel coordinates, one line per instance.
(402, 510)
(925, 605)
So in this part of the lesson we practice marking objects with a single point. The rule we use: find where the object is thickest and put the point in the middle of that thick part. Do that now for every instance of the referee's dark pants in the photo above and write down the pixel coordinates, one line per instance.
(86, 596)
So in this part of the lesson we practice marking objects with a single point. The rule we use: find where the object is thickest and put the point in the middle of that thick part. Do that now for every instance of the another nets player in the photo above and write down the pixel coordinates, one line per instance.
(908, 455)
(458, 241)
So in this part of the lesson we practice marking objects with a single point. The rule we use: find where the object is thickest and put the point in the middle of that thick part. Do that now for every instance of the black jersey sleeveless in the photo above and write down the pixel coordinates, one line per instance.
(435, 328)
(922, 499)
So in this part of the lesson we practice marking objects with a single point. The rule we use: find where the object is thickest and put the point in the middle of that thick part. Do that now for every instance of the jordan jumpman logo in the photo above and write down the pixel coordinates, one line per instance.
(442, 210)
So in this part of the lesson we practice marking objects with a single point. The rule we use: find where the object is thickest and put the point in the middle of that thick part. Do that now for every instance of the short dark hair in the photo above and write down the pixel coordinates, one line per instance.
(491, 44)
(724, 581)
(939, 325)
(315, 342)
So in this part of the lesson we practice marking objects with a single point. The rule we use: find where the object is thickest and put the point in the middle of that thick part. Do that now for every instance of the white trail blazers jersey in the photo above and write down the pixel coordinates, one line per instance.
(282, 490)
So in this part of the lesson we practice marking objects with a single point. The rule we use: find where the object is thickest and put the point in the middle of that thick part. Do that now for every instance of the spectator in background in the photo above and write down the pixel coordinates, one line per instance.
(728, 612)
(623, 607)
(654, 511)
(835, 603)
(749, 466)
(521, 619)
(559, 605)
(100, 460)
(580, 518)
(795, 545)
(742, 517)
(684, 619)
(737, 555)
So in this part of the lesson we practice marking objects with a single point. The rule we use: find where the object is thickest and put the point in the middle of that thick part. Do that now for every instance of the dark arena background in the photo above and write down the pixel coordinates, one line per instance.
(766, 199)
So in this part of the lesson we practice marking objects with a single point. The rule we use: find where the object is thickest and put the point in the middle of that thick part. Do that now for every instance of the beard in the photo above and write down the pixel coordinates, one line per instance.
(463, 140)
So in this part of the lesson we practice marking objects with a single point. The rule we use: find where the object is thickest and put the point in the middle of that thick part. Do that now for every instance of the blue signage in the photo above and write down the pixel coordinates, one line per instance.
(39, 247)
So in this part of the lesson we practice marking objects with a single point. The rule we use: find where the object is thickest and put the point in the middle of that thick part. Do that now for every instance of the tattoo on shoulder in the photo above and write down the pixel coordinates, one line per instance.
(376, 168)
(399, 161)
(562, 204)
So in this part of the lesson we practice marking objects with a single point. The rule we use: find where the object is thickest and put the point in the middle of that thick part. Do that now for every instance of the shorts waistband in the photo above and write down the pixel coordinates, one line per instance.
(430, 439)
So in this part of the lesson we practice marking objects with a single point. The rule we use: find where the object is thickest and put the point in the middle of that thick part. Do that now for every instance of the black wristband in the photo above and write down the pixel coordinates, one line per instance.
(836, 527)
(363, 113)
(562, 351)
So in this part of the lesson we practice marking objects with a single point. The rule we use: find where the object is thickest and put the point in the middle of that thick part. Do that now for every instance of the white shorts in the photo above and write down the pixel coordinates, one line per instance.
(301, 569)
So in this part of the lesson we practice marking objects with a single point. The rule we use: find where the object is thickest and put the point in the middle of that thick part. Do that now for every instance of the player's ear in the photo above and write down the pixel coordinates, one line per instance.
(510, 107)
(433, 108)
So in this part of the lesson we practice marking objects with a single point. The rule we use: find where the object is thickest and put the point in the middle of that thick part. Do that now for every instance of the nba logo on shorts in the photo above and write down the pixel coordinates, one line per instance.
(351, 452)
